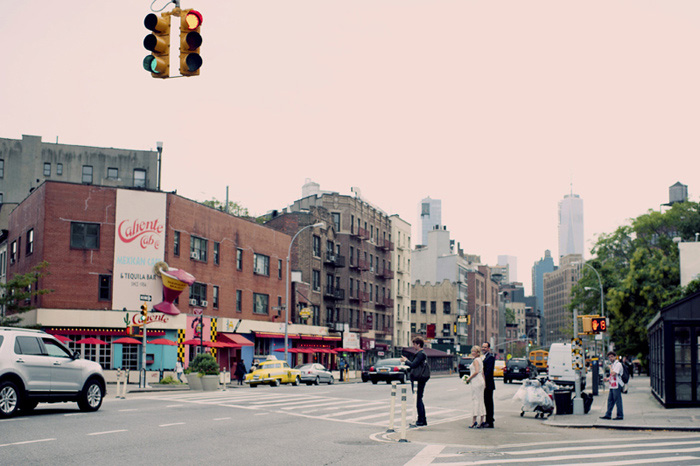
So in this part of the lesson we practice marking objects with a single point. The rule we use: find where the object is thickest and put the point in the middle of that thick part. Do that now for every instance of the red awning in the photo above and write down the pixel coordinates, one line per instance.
(326, 338)
(234, 338)
(291, 336)
(349, 350)
(290, 350)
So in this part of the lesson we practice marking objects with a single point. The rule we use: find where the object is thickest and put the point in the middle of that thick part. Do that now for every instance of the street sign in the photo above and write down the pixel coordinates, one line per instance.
(197, 311)
(305, 313)
(145, 297)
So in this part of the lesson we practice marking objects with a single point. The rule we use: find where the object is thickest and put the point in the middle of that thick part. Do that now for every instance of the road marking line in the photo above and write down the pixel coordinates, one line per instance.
(173, 424)
(318, 405)
(28, 441)
(606, 455)
(221, 418)
(127, 410)
(598, 447)
(75, 414)
(174, 406)
(426, 455)
(672, 459)
(108, 432)
(14, 419)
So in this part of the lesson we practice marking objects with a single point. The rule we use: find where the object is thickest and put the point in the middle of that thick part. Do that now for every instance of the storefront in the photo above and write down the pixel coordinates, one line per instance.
(674, 353)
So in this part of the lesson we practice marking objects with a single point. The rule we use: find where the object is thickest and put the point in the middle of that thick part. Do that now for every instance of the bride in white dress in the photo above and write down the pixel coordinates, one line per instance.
(477, 382)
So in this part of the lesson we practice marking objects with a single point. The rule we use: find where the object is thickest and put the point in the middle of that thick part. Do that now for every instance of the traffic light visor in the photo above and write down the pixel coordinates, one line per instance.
(193, 19)
(192, 41)
(155, 23)
(193, 62)
(154, 64)
(155, 44)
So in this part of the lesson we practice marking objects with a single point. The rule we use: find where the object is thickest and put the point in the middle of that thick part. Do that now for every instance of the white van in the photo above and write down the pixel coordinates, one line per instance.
(561, 371)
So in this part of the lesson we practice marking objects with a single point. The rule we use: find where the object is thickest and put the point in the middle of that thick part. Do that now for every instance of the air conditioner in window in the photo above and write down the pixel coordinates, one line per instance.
(371, 269)
(193, 302)
(204, 303)
(194, 255)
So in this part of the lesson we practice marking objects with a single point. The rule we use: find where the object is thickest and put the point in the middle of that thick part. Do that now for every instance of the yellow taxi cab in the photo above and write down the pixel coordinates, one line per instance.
(273, 372)
(498, 368)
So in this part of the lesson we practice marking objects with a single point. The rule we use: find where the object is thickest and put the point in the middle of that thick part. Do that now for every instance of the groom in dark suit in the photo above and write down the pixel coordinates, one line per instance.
(489, 363)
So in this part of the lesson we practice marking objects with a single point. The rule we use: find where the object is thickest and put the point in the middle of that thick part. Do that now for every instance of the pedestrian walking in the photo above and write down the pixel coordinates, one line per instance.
(477, 382)
(628, 365)
(178, 370)
(615, 391)
(418, 375)
(341, 367)
(489, 384)
(240, 371)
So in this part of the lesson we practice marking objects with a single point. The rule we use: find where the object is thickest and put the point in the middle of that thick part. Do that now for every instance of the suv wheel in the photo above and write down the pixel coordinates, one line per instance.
(91, 397)
(9, 399)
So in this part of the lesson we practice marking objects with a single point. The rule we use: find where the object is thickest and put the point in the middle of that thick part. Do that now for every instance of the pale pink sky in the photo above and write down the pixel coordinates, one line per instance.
(495, 107)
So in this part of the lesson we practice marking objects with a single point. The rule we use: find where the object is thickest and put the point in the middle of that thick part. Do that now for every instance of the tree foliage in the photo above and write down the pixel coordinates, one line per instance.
(639, 268)
(234, 208)
(16, 295)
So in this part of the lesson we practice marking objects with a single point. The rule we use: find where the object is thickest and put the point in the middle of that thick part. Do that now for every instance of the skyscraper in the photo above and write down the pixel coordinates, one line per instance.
(512, 263)
(430, 217)
(571, 225)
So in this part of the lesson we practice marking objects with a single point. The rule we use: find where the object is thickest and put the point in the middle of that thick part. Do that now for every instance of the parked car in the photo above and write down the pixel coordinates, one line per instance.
(463, 367)
(519, 369)
(388, 370)
(365, 376)
(498, 368)
(314, 374)
(273, 372)
(37, 368)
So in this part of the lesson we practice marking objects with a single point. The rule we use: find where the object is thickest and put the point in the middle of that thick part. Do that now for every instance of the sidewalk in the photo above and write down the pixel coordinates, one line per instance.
(642, 412)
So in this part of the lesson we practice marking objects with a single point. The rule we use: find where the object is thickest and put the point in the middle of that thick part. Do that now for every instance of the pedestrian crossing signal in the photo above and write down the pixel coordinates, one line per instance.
(599, 324)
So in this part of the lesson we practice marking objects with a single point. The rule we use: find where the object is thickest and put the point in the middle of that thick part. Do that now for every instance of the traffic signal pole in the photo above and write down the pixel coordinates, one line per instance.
(144, 315)
(578, 401)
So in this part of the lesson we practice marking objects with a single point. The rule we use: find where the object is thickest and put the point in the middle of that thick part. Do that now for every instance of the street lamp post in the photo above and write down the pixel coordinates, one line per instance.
(602, 301)
(286, 301)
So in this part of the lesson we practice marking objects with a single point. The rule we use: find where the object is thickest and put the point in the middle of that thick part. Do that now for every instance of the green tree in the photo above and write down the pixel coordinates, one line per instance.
(16, 295)
(639, 269)
(234, 208)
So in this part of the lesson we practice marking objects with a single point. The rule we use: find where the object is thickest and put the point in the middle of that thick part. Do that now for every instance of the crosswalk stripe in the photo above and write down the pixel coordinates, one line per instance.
(606, 456)
(598, 447)
(670, 459)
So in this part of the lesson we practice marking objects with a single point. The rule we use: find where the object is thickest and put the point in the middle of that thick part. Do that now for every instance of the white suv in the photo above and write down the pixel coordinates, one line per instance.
(35, 367)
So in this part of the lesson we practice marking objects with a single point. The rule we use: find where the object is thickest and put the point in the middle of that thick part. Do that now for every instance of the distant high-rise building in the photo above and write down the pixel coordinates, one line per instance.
(541, 267)
(512, 263)
(430, 217)
(570, 225)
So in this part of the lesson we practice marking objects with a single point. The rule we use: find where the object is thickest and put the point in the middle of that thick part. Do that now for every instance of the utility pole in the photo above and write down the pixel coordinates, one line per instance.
(578, 401)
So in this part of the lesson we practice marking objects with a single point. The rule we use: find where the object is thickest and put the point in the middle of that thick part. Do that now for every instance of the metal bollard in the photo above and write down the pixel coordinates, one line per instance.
(403, 415)
(392, 407)
(223, 378)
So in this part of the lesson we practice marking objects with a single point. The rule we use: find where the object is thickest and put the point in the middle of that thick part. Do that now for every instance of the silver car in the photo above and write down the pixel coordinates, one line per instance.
(314, 373)
(35, 367)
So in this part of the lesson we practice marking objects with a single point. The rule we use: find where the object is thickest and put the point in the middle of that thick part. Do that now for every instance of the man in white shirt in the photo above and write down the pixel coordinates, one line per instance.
(616, 384)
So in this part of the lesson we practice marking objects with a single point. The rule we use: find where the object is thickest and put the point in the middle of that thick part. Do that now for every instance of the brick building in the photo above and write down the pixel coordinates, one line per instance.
(362, 236)
(102, 244)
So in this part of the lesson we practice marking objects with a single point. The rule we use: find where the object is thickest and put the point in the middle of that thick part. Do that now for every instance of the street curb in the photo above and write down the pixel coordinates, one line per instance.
(624, 427)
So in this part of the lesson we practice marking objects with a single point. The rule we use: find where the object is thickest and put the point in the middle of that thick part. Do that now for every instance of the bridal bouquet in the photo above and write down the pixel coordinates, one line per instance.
(465, 378)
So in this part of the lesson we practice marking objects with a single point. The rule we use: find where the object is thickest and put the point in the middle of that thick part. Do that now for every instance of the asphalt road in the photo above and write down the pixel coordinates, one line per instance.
(337, 424)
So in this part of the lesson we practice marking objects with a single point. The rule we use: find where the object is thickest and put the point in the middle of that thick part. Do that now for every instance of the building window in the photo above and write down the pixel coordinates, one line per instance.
(423, 307)
(413, 307)
(59, 169)
(446, 307)
(2, 168)
(239, 299)
(13, 252)
(87, 174)
(105, 287)
(279, 269)
(84, 235)
(239, 259)
(112, 173)
(316, 246)
(260, 303)
(413, 327)
(215, 297)
(139, 178)
(0, 198)
(47, 169)
(3, 264)
(336, 221)
(176, 243)
(198, 293)
(433, 307)
(261, 265)
(316, 280)
(198, 248)
(30, 242)
(446, 330)
(217, 248)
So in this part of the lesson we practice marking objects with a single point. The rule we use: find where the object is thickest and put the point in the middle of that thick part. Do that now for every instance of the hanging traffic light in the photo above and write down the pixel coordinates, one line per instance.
(158, 43)
(144, 312)
(190, 41)
(586, 324)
